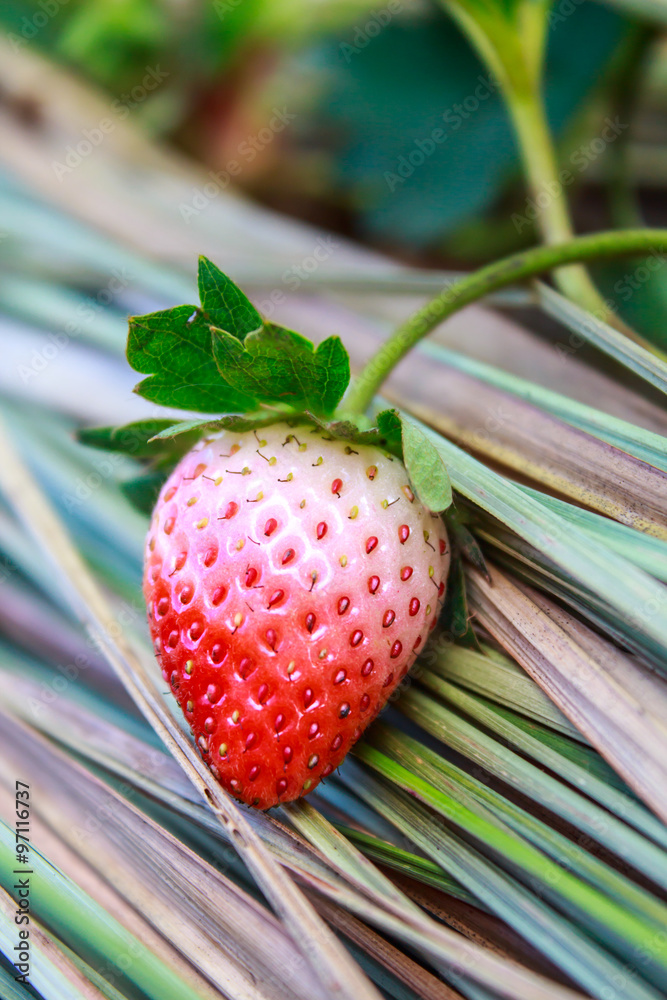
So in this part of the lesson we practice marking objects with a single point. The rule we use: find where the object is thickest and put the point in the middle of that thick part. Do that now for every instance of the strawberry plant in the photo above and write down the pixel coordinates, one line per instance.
(501, 830)
(294, 565)
(296, 560)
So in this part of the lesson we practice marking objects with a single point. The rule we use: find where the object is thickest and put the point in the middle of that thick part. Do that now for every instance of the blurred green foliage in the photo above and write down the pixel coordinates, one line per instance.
(399, 125)
(418, 76)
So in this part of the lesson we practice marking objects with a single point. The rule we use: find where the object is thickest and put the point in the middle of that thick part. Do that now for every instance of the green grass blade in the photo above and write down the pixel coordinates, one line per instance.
(319, 947)
(449, 778)
(407, 863)
(623, 586)
(619, 803)
(350, 861)
(161, 780)
(638, 441)
(88, 929)
(523, 559)
(569, 948)
(103, 985)
(617, 703)
(595, 331)
(645, 551)
(494, 675)
(11, 990)
(529, 779)
(622, 930)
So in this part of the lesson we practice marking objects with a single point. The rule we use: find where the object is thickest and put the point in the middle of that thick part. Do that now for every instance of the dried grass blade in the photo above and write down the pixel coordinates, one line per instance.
(52, 972)
(645, 551)
(91, 884)
(611, 705)
(521, 436)
(595, 331)
(469, 790)
(615, 580)
(561, 941)
(574, 772)
(326, 956)
(235, 942)
(424, 983)
(351, 863)
(497, 677)
(72, 724)
(633, 438)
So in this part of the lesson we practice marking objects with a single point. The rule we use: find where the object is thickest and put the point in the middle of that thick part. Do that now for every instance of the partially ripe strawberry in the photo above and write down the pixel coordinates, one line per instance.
(290, 581)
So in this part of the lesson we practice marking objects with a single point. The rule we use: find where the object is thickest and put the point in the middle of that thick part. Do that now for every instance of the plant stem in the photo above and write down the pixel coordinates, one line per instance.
(548, 192)
(489, 279)
(512, 41)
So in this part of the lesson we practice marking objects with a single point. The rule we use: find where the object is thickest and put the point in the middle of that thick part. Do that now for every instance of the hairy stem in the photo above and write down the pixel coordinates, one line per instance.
(489, 279)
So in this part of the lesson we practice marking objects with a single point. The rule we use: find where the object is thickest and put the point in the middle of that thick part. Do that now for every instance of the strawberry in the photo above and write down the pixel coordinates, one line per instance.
(291, 573)
(290, 580)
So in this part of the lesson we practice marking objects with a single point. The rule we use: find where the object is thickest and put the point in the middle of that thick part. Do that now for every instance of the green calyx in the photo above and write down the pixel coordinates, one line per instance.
(223, 359)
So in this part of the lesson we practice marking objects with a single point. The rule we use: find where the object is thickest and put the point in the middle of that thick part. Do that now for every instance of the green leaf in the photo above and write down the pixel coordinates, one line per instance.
(465, 541)
(231, 422)
(131, 439)
(277, 365)
(148, 441)
(143, 491)
(389, 425)
(455, 616)
(426, 468)
(224, 303)
(174, 347)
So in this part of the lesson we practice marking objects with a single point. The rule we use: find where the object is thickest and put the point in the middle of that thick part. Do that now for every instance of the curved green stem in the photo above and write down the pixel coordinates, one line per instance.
(489, 279)
(511, 39)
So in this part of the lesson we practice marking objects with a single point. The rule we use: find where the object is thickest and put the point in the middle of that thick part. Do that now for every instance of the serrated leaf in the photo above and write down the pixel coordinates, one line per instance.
(231, 422)
(224, 303)
(389, 425)
(174, 347)
(277, 365)
(142, 439)
(131, 439)
(426, 468)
